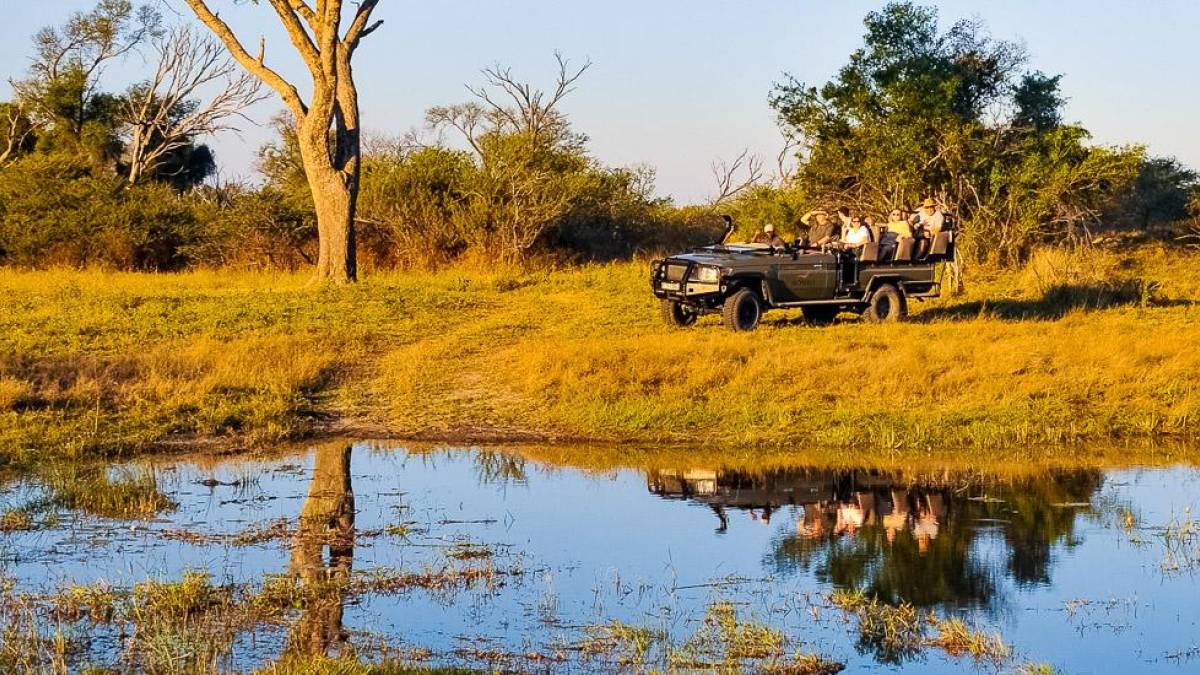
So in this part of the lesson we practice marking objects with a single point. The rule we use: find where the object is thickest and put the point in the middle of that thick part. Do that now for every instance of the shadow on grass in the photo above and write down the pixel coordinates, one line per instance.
(1057, 302)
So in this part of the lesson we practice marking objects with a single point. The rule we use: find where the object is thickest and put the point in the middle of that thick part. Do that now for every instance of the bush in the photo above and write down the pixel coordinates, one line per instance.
(57, 211)
(256, 229)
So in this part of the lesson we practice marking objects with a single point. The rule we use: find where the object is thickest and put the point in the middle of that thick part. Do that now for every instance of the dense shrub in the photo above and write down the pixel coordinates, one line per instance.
(251, 229)
(56, 210)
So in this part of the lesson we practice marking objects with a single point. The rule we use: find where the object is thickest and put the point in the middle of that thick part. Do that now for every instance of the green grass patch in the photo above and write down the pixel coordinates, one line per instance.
(1074, 349)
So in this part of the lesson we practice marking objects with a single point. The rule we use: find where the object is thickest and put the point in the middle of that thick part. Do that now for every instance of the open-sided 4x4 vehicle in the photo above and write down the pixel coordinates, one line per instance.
(742, 281)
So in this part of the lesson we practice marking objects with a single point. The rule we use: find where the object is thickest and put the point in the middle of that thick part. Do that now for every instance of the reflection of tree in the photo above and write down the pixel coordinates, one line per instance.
(326, 520)
(1039, 517)
(499, 468)
(932, 559)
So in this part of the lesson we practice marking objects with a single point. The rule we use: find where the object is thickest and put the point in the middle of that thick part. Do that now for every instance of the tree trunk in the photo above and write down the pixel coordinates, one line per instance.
(334, 195)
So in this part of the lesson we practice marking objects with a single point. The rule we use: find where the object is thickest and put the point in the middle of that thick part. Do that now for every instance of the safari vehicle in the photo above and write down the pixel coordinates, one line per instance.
(742, 281)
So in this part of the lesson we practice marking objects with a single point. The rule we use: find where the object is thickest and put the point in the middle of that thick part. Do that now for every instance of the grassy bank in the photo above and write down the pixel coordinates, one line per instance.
(1075, 348)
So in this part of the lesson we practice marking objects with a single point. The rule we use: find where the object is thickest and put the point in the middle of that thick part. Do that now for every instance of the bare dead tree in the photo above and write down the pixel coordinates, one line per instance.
(166, 114)
(735, 177)
(508, 105)
(529, 110)
(15, 131)
(513, 127)
(785, 162)
(328, 123)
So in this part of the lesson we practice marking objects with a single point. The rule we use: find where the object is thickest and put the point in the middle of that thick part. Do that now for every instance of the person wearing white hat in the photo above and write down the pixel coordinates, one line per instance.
(768, 236)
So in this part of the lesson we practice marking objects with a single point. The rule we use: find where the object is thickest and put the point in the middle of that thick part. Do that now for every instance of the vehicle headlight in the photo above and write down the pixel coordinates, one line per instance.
(707, 275)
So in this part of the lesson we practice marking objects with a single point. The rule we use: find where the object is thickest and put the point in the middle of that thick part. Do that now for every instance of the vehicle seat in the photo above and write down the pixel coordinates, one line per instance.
(869, 252)
(941, 246)
(904, 250)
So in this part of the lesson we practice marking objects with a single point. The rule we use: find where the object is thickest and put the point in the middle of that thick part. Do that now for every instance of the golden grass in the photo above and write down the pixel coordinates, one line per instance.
(1075, 349)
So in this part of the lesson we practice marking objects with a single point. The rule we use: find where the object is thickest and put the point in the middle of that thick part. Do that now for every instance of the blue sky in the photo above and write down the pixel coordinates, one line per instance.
(677, 84)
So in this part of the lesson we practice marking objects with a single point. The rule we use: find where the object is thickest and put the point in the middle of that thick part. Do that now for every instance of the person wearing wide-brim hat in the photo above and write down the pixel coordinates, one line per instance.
(929, 219)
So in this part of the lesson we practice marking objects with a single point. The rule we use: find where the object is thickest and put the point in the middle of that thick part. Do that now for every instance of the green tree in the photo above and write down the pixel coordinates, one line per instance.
(62, 92)
(918, 112)
(1162, 193)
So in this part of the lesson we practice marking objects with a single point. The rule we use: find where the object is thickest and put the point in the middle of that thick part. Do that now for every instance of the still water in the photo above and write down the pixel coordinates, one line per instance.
(1087, 570)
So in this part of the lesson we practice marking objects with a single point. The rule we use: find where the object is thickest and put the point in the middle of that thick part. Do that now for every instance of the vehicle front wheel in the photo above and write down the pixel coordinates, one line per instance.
(742, 311)
(887, 304)
(677, 314)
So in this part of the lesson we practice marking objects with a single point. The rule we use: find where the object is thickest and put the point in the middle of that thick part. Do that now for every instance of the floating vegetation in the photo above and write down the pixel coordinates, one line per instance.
(955, 638)
(127, 494)
(898, 632)
(17, 520)
(190, 624)
(724, 642)
(1181, 544)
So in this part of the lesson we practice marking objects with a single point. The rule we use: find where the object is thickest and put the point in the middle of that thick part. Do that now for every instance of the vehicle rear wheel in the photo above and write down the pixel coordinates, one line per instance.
(820, 315)
(742, 311)
(887, 304)
(677, 314)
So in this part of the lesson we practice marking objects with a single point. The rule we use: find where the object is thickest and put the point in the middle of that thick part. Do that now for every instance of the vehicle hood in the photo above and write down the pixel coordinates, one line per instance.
(723, 255)
(734, 255)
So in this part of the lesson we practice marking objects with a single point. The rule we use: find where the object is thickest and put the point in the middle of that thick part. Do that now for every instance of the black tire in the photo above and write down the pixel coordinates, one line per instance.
(820, 315)
(677, 314)
(887, 304)
(742, 311)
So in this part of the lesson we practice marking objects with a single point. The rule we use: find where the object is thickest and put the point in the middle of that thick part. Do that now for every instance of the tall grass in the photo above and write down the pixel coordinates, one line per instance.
(1076, 348)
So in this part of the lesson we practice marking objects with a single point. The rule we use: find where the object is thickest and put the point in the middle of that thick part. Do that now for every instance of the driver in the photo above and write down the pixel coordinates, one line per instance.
(768, 236)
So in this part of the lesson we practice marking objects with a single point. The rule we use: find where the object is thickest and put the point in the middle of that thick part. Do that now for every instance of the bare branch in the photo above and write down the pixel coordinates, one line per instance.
(361, 26)
(257, 66)
(787, 154)
(305, 11)
(164, 115)
(16, 129)
(730, 183)
(298, 34)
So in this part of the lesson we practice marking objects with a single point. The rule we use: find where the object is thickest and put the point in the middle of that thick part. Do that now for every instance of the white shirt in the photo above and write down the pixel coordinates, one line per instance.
(856, 236)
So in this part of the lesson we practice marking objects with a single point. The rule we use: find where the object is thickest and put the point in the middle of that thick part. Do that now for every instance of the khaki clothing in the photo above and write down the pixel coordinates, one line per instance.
(818, 233)
(930, 224)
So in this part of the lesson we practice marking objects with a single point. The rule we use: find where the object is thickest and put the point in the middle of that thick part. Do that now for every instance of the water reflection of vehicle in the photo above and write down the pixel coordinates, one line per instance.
(898, 538)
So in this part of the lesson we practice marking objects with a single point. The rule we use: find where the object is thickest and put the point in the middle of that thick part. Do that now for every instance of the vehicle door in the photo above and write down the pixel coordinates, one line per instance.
(810, 276)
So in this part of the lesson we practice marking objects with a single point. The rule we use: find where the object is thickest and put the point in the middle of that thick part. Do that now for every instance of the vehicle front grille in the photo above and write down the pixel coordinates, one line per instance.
(675, 271)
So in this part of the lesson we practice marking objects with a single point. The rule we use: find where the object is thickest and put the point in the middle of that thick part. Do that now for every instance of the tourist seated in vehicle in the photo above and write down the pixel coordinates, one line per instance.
(928, 220)
(856, 235)
(768, 236)
(898, 225)
(821, 230)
